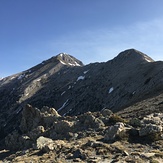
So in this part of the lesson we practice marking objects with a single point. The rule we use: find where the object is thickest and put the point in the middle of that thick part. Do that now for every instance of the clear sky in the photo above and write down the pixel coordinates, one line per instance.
(91, 30)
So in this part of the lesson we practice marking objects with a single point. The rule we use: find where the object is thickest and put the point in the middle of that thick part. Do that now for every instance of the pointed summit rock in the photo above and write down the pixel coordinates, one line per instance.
(133, 56)
(67, 59)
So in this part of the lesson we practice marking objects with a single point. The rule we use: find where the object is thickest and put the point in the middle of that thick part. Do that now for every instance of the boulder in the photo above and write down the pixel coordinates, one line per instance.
(106, 112)
(113, 131)
(44, 144)
(63, 126)
(31, 118)
(149, 129)
(90, 121)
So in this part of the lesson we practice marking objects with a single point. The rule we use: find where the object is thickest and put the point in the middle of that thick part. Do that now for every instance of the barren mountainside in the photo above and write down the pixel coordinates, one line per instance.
(130, 85)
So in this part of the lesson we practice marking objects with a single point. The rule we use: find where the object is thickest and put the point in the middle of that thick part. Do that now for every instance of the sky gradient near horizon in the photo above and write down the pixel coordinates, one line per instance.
(91, 30)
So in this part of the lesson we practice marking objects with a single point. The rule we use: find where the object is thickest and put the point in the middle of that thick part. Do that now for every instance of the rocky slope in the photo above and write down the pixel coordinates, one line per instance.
(45, 136)
(62, 91)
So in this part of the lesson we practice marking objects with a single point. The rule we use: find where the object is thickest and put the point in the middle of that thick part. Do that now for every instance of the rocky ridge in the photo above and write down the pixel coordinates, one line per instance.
(57, 110)
(90, 137)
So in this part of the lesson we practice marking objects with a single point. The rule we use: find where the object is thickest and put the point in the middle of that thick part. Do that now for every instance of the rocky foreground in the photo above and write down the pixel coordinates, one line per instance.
(45, 136)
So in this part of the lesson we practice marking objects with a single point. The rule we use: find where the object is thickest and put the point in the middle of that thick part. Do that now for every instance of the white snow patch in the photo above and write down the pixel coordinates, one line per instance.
(63, 105)
(62, 62)
(80, 78)
(18, 111)
(21, 76)
(71, 64)
(85, 72)
(29, 71)
(69, 87)
(133, 92)
(77, 64)
(38, 80)
(147, 59)
(12, 78)
(111, 89)
(63, 93)
(26, 94)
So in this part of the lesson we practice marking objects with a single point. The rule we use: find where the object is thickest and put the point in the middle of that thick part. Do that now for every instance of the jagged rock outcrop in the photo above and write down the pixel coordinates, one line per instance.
(72, 88)
(113, 131)
(92, 136)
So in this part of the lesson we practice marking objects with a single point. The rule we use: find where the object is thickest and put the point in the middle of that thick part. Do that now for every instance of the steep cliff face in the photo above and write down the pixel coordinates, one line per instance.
(66, 84)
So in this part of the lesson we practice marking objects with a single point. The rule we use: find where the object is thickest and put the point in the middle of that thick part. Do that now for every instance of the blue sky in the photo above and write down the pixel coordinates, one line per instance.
(91, 30)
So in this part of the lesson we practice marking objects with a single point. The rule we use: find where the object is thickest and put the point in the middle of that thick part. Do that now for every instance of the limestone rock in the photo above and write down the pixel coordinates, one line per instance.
(90, 121)
(44, 144)
(106, 112)
(149, 129)
(113, 131)
(31, 117)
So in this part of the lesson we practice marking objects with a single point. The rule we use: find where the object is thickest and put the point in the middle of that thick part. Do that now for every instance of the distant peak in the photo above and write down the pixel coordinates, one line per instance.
(69, 60)
(133, 55)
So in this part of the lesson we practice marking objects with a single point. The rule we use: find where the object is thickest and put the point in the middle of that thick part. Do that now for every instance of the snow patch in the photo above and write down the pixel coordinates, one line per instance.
(18, 111)
(21, 76)
(63, 105)
(12, 78)
(111, 90)
(80, 78)
(69, 87)
(147, 59)
(62, 62)
(133, 92)
(26, 94)
(77, 64)
(39, 79)
(85, 72)
(63, 93)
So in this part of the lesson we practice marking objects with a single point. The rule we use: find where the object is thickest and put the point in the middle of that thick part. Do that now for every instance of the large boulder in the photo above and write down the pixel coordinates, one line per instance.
(114, 131)
(33, 117)
(44, 144)
(150, 129)
(151, 124)
(88, 120)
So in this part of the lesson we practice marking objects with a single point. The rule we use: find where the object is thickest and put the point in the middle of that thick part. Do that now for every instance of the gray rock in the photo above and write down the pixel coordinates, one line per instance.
(44, 144)
(113, 131)
(149, 129)
(90, 121)
(106, 112)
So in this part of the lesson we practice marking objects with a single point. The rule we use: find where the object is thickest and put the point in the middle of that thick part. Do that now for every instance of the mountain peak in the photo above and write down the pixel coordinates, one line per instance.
(133, 55)
(69, 60)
